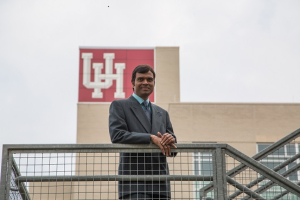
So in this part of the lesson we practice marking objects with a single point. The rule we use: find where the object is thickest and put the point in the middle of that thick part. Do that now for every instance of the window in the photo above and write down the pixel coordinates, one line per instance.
(202, 166)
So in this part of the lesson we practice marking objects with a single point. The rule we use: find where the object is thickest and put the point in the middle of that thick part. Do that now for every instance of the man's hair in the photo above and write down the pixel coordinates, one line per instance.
(142, 69)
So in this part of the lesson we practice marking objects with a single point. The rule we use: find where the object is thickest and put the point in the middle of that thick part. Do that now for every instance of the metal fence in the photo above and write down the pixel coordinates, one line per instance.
(198, 171)
(283, 157)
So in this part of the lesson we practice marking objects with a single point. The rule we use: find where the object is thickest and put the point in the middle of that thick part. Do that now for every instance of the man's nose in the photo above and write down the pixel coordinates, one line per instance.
(145, 81)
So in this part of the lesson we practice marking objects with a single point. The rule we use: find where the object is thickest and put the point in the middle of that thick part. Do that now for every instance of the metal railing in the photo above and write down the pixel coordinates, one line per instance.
(199, 171)
(268, 156)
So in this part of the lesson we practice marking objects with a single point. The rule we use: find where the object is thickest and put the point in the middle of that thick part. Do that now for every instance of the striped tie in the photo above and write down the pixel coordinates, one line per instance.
(147, 110)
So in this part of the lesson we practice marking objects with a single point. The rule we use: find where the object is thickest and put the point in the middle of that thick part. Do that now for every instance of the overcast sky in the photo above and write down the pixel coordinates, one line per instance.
(230, 51)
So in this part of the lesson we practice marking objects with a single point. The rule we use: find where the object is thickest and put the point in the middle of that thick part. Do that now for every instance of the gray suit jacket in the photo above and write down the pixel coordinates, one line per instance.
(128, 124)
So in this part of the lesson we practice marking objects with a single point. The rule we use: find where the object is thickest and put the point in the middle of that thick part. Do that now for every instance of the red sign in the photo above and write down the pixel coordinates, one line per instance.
(105, 74)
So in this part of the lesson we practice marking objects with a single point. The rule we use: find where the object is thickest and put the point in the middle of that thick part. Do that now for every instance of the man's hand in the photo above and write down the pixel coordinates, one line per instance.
(166, 147)
(167, 139)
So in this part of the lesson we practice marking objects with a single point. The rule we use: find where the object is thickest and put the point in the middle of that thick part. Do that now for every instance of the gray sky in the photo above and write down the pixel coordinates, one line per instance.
(230, 51)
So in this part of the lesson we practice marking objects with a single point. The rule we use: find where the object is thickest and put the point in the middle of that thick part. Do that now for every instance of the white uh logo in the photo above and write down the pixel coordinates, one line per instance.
(108, 76)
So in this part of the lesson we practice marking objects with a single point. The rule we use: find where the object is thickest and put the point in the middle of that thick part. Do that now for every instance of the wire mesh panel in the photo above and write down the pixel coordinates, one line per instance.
(99, 173)
(196, 162)
(203, 165)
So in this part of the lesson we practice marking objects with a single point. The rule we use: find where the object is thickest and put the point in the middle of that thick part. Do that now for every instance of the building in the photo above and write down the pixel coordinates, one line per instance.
(248, 127)
(242, 125)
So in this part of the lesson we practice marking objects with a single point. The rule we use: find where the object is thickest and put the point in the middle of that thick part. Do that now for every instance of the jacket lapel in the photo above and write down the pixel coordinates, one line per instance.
(156, 119)
(139, 114)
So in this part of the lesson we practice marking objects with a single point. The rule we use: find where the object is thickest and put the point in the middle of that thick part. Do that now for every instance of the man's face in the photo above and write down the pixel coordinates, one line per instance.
(143, 84)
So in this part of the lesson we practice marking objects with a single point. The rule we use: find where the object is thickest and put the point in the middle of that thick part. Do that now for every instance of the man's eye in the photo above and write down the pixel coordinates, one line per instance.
(140, 79)
(150, 79)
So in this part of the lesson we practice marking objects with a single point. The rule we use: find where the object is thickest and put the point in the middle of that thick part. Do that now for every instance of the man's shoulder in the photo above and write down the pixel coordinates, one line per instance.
(120, 101)
(158, 108)
(123, 101)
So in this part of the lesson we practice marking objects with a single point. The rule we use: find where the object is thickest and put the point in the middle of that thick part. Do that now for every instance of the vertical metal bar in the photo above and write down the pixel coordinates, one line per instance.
(215, 180)
(224, 173)
(9, 170)
(3, 172)
(220, 174)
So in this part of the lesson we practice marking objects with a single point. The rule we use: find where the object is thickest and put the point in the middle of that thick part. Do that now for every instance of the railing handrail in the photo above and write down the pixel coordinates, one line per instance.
(57, 147)
(114, 178)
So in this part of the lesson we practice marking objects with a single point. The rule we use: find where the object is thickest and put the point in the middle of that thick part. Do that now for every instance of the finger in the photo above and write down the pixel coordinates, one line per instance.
(173, 145)
(167, 149)
(157, 141)
(172, 140)
(159, 134)
(165, 134)
(162, 149)
(165, 137)
(169, 140)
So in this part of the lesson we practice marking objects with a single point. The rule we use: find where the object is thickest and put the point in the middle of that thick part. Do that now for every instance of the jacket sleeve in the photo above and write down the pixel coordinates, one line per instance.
(169, 127)
(118, 127)
(170, 130)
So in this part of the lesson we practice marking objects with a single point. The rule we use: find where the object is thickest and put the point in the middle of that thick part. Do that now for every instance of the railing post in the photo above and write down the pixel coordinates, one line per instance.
(9, 170)
(3, 173)
(219, 166)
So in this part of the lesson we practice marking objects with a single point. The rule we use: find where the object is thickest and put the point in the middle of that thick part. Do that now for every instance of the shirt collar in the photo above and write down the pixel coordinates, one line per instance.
(139, 99)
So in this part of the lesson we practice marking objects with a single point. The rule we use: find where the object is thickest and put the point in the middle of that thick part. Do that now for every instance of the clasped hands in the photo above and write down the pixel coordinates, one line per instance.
(164, 142)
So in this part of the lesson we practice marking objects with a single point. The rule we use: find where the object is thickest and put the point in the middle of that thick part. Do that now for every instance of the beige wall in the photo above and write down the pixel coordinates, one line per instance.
(167, 76)
(237, 124)
(92, 123)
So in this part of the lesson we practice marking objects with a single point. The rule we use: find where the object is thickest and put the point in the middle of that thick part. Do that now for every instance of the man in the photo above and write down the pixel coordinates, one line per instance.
(137, 121)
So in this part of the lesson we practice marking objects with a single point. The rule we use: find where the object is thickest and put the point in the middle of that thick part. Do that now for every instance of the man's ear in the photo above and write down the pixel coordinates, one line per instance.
(132, 83)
